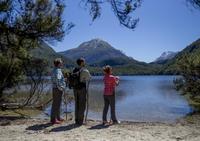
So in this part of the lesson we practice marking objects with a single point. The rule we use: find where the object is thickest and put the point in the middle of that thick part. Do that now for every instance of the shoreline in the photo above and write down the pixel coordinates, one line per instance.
(70, 117)
(23, 129)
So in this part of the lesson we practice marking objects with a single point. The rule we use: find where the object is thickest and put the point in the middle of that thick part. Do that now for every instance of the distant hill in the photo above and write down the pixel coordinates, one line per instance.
(165, 56)
(118, 61)
(97, 51)
(44, 51)
(191, 51)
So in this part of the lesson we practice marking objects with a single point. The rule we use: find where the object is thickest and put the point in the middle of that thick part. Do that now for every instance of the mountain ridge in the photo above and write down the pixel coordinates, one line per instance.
(45, 51)
(164, 57)
(94, 51)
(191, 51)
(121, 63)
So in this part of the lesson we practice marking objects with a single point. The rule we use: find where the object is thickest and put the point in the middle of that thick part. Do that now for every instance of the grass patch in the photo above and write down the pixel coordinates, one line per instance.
(20, 113)
(20, 97)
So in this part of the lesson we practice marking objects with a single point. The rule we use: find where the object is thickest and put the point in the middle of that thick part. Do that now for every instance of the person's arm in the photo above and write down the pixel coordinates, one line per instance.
(116, 80)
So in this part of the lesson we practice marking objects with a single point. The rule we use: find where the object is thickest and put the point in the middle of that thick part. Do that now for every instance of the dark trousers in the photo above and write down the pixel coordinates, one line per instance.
(55, 109)
(80, 104)
(109, 100)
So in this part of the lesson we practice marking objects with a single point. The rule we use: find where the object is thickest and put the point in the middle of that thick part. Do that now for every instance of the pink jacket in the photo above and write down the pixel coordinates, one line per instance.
(110, 83)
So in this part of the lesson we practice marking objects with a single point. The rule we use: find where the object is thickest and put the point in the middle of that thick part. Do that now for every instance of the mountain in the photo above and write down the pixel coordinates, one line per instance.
(95, 51)
(99, 53)
(165, 56)
(44, 51)
(192, 51)
(116, 61)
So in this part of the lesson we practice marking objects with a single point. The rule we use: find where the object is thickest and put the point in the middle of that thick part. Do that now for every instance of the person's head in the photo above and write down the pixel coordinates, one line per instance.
(80, 62)
(58, 62)
(107, 69)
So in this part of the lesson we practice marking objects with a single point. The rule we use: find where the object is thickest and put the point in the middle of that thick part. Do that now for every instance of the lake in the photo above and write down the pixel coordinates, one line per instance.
(140, 99)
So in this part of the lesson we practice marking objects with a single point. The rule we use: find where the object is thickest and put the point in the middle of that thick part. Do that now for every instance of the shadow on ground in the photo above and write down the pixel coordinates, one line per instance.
(6, 120)
(11, 118)
(98, 126)
(38, 127)
(65, 128)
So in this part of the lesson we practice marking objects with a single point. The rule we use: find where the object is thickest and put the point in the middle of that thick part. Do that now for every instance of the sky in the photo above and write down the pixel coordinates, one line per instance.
(165, 25)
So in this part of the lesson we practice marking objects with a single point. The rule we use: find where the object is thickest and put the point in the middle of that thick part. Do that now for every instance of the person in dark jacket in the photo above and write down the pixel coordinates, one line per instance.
(81, 91)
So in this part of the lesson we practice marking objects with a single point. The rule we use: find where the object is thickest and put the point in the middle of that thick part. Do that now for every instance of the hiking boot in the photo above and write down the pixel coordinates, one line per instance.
(116, 122)
(56, 122)
(105, 123)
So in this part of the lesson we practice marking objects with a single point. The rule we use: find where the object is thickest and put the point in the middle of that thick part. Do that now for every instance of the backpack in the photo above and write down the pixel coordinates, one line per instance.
(74, 79)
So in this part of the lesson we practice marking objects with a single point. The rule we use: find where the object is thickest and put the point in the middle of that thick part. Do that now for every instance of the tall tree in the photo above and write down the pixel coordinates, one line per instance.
(23, 24)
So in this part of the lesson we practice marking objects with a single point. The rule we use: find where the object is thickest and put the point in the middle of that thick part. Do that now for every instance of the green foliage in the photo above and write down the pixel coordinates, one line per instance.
(117, 61)
(190, 71)
(127, 70)
(23, 25)
(11, 72)
(35, 67)
(44, 51)
(172, 66)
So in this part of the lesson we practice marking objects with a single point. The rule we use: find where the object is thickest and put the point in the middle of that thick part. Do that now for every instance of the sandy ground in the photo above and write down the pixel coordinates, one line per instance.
(12, 129)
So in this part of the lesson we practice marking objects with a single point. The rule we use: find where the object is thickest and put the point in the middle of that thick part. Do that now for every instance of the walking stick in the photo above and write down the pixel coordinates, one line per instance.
(65, 102)
(87, 100)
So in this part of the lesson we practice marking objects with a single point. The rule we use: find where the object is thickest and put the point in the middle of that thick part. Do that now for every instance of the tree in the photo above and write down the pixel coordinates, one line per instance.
(195, 3)
(23, 24)
(121, 8)
(189, 83)
(35, 70)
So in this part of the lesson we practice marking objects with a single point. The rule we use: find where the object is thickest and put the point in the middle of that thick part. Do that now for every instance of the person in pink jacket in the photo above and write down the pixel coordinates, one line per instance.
(110, 82)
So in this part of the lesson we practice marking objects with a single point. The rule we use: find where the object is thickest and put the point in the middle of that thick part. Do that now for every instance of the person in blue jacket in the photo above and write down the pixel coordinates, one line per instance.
(58, 84)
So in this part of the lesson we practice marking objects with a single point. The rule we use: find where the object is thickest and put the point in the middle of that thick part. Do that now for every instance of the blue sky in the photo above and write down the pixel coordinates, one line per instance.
(165, 25)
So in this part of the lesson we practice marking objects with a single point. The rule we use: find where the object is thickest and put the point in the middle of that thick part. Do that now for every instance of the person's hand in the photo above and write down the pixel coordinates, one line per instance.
(117, 80)
(117, 77)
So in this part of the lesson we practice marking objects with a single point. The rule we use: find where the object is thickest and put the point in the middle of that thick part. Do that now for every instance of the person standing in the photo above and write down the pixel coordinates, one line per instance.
(59, 85)
(80, 90)
(110, 82)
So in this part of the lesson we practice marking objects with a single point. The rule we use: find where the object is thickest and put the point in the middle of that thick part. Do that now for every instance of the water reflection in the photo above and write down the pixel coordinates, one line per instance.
(141, 98)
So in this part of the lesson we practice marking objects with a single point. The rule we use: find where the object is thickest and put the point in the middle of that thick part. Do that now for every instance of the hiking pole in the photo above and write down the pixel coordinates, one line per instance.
(65, 102)
(87, 100)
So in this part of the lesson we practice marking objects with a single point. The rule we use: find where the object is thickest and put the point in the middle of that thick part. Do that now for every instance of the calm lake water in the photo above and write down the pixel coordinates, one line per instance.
(141, 99)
